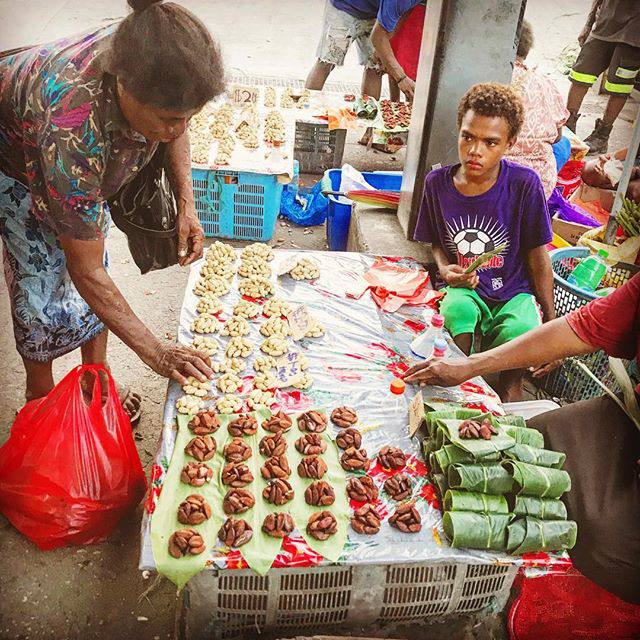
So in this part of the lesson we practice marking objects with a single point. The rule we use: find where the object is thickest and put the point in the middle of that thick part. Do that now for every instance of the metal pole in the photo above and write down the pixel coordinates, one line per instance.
(612, 225)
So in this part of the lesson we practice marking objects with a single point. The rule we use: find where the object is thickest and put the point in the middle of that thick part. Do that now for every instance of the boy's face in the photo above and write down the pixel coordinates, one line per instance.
(482, 141)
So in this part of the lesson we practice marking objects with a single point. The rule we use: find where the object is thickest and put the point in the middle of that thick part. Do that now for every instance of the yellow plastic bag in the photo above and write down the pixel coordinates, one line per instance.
(626, 251)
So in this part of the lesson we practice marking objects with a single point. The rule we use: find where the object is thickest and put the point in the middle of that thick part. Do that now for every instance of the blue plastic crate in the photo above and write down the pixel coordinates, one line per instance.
(236, 204)
(339, 214)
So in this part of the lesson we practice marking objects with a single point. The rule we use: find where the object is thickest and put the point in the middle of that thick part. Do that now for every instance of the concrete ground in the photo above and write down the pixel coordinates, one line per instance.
(97, 592)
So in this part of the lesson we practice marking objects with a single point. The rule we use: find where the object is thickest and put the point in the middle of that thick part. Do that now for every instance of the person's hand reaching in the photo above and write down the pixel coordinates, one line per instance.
(455, 276)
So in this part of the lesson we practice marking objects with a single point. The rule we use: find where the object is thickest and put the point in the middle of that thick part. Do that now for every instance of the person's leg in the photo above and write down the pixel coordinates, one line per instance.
(94, 351)
(372, 74)
(593, 59)
(39, 378)
(621, 75)
(318, 75)
(510, 320)
(371, 83)
(463, 312)
(333, 45)
(394, 89)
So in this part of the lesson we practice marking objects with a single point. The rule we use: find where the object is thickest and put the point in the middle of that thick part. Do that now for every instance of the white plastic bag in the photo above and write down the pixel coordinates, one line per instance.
(352, 180)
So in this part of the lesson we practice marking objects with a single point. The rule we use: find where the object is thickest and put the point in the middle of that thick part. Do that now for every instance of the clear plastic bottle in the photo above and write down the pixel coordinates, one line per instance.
(588, 273)
(422, 345)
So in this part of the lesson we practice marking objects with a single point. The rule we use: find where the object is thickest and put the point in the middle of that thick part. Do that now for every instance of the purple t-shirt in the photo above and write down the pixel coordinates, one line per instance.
(364, 9)
(514, 211)
(392, 10)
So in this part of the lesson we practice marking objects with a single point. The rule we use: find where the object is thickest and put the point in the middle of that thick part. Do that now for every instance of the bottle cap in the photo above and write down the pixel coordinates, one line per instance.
(440, 344)
(603, 253)
(437, 320)
(397, 386)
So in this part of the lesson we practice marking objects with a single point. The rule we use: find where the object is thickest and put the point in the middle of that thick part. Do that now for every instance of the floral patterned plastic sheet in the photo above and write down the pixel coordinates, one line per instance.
(363, 349)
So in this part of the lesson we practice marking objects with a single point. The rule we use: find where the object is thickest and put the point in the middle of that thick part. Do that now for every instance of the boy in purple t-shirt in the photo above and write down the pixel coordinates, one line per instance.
(480, 204)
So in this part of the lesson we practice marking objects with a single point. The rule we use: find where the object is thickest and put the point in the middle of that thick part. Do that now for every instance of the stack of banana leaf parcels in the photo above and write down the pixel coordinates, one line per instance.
(499, 487)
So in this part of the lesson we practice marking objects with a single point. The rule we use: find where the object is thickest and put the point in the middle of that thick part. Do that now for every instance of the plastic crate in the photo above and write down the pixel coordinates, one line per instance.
(236, 204)
(316, 148)
(228, 604)
(570, 382)
(339, 213)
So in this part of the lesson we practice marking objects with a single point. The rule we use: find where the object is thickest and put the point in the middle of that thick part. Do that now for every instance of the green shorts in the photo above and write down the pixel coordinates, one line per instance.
(499, 322)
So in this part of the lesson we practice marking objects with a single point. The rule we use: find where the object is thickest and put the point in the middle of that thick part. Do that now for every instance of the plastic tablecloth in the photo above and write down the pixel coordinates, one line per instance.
(363, 349)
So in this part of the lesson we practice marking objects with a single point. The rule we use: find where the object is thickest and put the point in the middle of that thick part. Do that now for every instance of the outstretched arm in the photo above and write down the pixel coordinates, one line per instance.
(381, 41)
(551, 341)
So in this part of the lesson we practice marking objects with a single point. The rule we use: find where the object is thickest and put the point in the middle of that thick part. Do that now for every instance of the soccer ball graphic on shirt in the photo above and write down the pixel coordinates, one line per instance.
(472, 242)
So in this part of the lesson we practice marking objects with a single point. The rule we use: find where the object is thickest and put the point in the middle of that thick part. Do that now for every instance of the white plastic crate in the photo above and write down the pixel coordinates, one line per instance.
(228, 604)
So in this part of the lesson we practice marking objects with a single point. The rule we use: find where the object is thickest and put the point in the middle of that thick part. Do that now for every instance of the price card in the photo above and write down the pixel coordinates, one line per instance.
(241, 95)
(300, 321)
(288, 370)
(416, 413)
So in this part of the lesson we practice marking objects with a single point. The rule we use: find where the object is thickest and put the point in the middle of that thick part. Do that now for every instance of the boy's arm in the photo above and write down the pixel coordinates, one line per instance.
(541, 278)
(453, 274)
(381, 40)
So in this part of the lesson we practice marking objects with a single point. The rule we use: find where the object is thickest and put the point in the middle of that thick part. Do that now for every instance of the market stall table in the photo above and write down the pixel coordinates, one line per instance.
(388, 576)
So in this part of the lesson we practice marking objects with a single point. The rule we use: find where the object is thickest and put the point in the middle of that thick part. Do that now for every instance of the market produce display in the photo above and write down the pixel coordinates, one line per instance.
(499, 487)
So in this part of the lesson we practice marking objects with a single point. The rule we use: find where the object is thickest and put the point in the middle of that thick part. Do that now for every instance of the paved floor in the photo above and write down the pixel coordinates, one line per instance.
(98, 592)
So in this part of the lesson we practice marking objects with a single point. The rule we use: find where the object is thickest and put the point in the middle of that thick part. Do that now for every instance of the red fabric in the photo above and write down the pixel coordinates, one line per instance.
(612, 323)
(570, 177)
(570, 607)
(406, 40)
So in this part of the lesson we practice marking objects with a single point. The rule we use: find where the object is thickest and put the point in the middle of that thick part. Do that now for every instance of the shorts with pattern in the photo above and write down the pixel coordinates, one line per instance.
(50, 317)
(339, 30)
(622, 61)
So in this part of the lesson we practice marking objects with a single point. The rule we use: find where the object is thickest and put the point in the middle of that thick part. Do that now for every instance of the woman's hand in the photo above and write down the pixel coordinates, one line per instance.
(544, 369)
(440, 372)
(177, 362)
(190, 235)
(454, 276)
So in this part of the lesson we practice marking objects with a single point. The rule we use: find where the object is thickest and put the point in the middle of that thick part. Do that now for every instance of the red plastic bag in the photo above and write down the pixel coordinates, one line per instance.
(70, 470)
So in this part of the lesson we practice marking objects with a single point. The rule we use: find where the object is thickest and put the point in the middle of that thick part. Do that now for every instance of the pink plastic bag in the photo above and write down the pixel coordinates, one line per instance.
(70, 469)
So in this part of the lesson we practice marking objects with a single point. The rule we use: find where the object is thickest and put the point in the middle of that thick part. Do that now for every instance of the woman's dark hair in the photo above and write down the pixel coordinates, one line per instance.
(526, 40)
(164, 56)
(493, 100)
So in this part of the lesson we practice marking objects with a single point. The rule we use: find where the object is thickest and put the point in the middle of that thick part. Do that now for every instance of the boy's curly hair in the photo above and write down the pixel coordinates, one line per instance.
(493, 100)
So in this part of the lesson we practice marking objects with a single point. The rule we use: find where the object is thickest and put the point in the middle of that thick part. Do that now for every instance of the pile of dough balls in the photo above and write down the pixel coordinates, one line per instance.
(246, 309)
(205, 323)
(264, 381)
(275, 346)
(260, 398)
(229, 383)
(305, 269)
(211, 305)
(276, 307)
(259, 250)
(275, 326)
(189, 404)
(239, 347)
(228, 403)
(315, 331)
(235, 326)
(220, 252)
(256, 287)
(215, 284)
(263, 364)
(254, 266)
(208, 345)
(195, 387)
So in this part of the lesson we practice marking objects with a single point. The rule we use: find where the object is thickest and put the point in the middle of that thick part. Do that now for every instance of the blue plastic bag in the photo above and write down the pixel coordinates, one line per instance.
(306, 209)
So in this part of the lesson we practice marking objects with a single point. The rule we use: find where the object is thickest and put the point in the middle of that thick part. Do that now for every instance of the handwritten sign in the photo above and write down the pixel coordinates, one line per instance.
(300, 321)
(241, 95)
(288, 370)
(416, 413)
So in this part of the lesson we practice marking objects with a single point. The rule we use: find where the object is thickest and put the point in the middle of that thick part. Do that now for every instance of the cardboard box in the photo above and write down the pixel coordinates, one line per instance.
(588, 194)
(569, 231)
